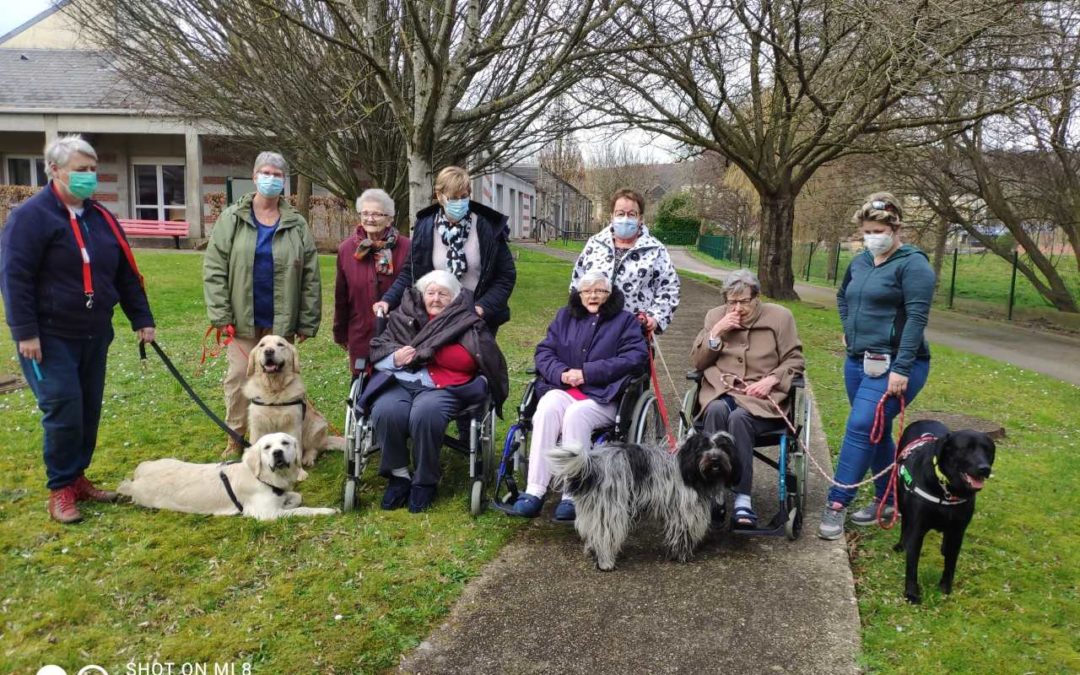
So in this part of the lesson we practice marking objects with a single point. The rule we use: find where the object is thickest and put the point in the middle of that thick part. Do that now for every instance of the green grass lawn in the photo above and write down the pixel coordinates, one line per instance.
(569, 245)
(337, 594)
(350, 593)
(1015, 605)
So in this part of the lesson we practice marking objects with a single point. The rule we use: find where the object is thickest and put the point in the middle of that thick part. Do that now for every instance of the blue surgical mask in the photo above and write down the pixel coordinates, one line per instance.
(456, 208)
(269, 186)
(624, 227)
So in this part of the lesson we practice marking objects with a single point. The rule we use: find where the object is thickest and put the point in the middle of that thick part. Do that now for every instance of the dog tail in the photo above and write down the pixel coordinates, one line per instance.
(568, 462)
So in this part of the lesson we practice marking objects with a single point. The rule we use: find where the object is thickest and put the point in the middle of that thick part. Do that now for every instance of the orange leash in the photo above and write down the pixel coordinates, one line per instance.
(660, 403)
(213, 349)
(877, 432)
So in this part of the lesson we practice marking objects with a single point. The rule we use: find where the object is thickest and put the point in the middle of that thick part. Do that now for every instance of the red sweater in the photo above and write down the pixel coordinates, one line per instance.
(452, 365)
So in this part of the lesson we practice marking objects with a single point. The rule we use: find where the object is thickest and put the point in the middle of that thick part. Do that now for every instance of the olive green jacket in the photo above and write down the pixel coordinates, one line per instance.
(228, 272)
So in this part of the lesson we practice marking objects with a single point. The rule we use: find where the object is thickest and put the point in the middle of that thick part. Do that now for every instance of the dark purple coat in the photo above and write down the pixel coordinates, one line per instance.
(609, 347)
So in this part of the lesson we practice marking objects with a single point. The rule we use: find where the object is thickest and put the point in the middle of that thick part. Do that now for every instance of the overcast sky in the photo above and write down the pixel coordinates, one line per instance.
(15, 12)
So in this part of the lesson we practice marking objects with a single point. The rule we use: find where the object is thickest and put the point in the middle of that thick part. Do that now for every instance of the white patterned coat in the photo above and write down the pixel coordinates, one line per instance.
(646, 275)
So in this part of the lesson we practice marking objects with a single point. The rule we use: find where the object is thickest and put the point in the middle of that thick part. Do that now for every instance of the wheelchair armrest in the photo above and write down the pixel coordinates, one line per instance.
(530, 370)
(360, 363)
(798, 382)
(694, 375)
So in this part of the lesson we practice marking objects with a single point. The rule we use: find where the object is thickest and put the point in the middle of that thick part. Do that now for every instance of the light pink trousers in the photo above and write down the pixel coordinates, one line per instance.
(559, 413)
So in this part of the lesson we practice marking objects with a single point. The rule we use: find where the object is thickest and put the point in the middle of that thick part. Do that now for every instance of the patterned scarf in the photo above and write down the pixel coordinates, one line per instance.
(384, 254)
(454, 236)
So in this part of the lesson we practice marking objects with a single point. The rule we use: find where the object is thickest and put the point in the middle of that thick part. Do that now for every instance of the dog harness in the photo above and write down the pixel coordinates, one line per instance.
(909, 481)
(300, 402)
(232, 495)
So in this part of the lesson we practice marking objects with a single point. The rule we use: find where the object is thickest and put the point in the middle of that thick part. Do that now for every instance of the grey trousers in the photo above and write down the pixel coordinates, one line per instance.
(412, 411)
(723, 414)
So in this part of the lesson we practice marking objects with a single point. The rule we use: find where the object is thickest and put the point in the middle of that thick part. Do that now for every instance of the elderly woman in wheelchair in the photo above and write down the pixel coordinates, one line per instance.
(435, 359)
(748, 353)
(591, 349)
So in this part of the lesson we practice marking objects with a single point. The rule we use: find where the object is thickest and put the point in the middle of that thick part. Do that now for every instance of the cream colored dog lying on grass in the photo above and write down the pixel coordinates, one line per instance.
(279, 399)
(258, 486)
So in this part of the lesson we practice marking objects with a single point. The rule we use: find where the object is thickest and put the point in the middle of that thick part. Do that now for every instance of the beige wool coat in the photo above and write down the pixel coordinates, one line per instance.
(769, 345)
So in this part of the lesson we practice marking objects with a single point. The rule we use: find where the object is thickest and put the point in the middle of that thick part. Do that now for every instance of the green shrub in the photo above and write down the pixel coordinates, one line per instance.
(676, 223)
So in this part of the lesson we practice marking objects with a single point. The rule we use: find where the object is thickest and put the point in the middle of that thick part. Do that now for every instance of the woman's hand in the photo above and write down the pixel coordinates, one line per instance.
(300, 337)
(479, 311)
(404, 356)
(763, 387)
(30, 349)
(726, 324)
(647, 321)
(146, 334)
(573, 377)
(381, 307)
(897, 385)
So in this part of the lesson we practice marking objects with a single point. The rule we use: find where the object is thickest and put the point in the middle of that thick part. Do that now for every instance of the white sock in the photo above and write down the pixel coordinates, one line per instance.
(403, 472)
(742, 501)
(535, 490)
(567, 497)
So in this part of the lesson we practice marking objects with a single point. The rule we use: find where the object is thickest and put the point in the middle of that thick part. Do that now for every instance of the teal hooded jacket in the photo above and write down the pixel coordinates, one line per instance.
(884, 308)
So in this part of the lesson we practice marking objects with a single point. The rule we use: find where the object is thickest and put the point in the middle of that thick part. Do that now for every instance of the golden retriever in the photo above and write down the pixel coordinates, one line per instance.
(279, 399)
(259, 486)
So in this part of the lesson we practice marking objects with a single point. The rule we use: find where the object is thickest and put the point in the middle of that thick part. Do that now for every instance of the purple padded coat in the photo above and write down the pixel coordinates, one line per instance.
(609, 347)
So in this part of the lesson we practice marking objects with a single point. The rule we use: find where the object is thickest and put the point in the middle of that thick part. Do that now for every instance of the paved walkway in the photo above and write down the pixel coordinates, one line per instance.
(1048, 353)
(742, 605)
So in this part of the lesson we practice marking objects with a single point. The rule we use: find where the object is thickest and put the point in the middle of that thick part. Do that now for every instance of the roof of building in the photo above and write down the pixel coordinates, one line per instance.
(530, 173)
(38, 80)
(53, 9)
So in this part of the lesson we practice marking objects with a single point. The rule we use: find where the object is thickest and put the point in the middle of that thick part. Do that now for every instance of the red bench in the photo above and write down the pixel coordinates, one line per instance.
(156, 228)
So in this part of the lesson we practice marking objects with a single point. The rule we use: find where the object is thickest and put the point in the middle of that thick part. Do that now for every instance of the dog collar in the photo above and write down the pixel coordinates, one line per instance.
(300, 402)
(948, 501)
(943, 482)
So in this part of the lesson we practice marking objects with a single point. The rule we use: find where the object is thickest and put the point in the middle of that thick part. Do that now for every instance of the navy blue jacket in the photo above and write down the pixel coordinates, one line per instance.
(884, 308)
(497, 271)
(41, 273)
(609, 347)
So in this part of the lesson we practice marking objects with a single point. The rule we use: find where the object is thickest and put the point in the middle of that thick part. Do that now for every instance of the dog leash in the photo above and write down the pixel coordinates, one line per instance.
(660, 403)
(191, 392)
(214, 349)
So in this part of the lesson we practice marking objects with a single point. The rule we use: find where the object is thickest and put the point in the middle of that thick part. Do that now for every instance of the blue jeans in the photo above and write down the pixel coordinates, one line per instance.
(857, 454)
(69, 396)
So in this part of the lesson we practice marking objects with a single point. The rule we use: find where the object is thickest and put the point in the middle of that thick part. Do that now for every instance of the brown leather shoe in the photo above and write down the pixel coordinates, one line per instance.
(232, 449)
(85, 491)
(62, 507)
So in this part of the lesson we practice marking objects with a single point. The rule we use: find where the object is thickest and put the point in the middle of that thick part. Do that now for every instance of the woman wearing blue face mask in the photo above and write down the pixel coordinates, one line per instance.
(884, 303)
(466, 239)
(261, 277)
(635, 261)
(64, 266)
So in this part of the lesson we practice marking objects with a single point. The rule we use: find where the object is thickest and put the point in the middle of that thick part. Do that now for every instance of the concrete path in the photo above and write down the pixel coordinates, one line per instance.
(1048, 353)
(742, 605)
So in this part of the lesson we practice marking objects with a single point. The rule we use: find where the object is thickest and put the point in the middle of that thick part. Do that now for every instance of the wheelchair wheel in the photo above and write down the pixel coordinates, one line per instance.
(646, 426)
(476, 498)
(689, 399)
(350, 491)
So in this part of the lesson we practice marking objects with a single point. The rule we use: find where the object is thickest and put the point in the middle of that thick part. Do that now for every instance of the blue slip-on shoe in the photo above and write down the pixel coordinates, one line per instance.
(527, 506)
(421, 497)
(566, 512)
(397, 493)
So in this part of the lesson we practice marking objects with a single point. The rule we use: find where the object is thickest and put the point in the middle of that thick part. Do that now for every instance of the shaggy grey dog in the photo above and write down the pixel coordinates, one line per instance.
(615, 484)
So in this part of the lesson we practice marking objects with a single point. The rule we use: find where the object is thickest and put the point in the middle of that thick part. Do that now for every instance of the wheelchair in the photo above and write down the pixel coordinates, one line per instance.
(477, 444)
(790, 461)
(637, 420)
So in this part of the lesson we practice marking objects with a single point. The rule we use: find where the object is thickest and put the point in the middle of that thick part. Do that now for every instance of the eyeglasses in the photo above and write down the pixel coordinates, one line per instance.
(373, 215)
(599, 292)
(625, 214)
(740, 301)
(272, 174)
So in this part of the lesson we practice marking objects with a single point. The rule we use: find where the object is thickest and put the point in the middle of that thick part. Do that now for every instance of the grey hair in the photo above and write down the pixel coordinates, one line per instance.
(385, 201)
(440, 278)
(591, 278)
(274, 159)
(738, 280)
(59, 151)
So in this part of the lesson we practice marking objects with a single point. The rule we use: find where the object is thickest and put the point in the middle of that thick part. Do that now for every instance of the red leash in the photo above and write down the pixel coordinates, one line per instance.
(213, 349)
(877, 432)
(672, 445)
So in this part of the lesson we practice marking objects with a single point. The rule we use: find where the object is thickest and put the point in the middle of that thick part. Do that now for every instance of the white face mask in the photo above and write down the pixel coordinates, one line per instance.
(878, 243)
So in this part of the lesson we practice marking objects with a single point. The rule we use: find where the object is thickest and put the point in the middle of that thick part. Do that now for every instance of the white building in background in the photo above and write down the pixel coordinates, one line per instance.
(511, 195)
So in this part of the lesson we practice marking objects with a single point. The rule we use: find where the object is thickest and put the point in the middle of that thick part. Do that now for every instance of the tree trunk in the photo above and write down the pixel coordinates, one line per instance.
(774, 263)
(834, 254)
(420, 185)
(303, 197)
(941, 239)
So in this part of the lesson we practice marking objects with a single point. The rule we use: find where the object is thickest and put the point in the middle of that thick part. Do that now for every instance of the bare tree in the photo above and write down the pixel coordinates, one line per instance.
(613, 166)
(385, 86)
(782, 87)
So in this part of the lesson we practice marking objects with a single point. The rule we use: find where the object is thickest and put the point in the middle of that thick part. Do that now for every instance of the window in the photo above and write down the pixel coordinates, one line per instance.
(26, 171)
(158, 190)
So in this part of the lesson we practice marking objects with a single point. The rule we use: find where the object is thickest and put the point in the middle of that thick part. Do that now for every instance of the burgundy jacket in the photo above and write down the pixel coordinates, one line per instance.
(358, 287)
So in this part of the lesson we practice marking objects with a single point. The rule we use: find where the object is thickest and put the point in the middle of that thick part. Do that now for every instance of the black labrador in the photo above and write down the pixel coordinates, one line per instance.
(936, 490)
